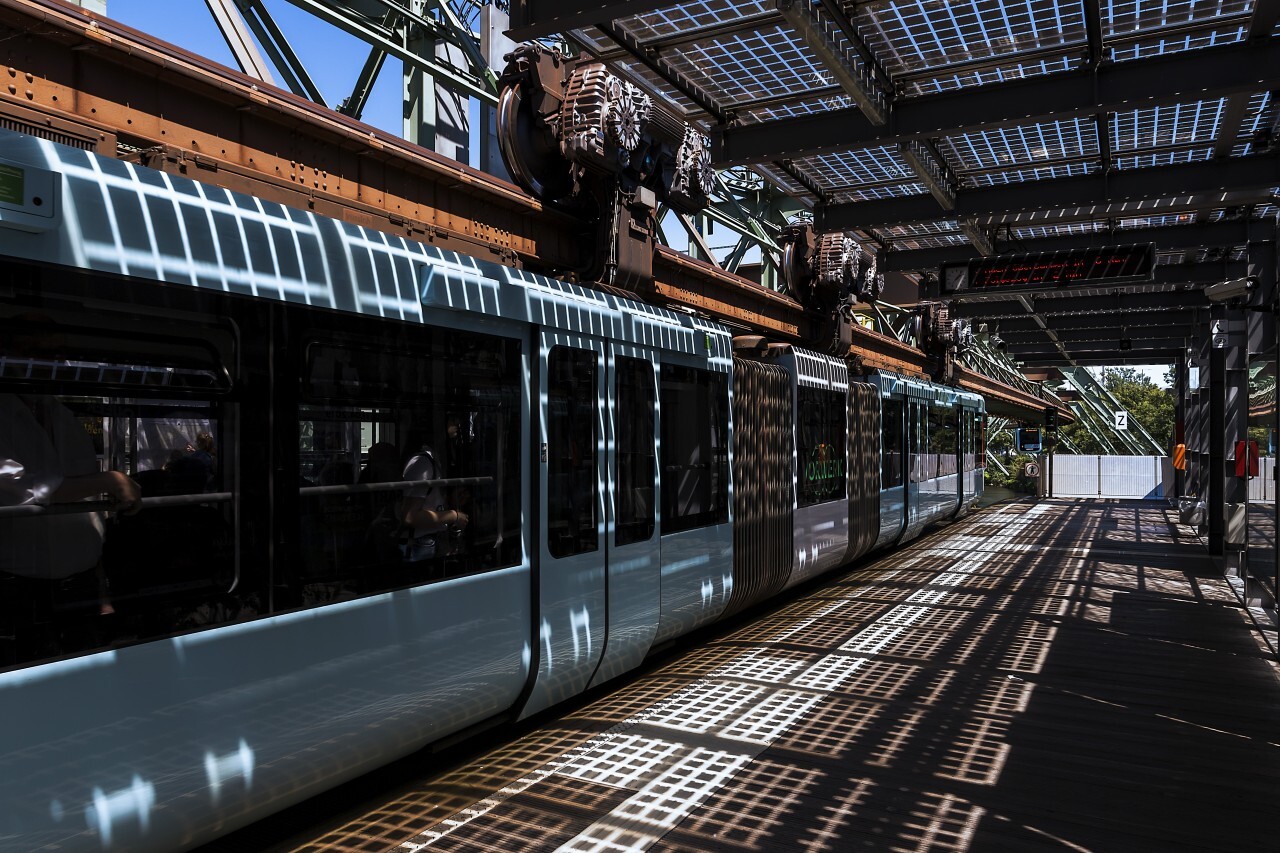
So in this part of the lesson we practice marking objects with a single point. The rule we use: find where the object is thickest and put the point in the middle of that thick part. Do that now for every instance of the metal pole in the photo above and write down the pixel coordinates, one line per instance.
(1217, 430)
(1275, 460)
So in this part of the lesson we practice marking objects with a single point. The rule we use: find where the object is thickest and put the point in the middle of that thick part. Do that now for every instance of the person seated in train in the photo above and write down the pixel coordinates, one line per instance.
(424, 510)
(202, 455)
(46, 457)
(192, 468)
(382, 464)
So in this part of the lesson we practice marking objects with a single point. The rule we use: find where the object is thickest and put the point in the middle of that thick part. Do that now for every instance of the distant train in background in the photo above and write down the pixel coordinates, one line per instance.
(254, 634)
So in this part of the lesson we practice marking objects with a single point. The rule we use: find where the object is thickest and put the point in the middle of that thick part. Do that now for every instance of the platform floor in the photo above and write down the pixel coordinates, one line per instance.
(1061, 674)
(1262, 545)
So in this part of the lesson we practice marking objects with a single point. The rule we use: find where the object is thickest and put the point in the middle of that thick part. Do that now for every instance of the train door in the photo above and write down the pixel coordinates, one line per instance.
(893, 461)
(570, 438)
(917, 444)
(634, 571)
(694, 519)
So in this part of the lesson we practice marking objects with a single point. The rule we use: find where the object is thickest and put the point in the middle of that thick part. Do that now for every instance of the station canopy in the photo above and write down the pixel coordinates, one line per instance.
(939, 131)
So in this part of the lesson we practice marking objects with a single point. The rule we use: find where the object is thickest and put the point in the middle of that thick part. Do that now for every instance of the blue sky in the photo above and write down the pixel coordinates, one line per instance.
(331, 57)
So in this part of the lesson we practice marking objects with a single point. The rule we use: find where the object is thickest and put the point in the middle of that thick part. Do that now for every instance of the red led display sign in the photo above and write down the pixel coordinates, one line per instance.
(1105, 265)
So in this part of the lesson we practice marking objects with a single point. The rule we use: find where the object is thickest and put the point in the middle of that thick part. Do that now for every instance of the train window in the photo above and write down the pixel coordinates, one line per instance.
(96, 408)
(572, 414)
(924, 465)
(966, 442)
(891, 445)
(633, 497)
(419, 405)
(970, 441)
(695, 448)
(820, 443)
(943, 441)
(982, 440)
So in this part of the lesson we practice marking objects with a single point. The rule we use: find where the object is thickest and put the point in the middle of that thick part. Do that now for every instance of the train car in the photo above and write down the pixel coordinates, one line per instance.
(600, 475)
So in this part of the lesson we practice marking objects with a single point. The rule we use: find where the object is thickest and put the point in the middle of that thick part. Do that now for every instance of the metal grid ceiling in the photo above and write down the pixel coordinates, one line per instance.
(758, 70)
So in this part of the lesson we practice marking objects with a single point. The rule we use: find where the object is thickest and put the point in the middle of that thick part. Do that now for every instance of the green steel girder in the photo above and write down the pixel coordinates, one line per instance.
(277, 47)
(1101, 406)
(389, 35)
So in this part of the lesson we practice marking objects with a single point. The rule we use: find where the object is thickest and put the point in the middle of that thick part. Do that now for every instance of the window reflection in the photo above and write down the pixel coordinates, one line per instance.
(820, 445)
(572, 526)
(96, 410)
(891, 460)
(636, 510)
(429, 421)
(695, 454)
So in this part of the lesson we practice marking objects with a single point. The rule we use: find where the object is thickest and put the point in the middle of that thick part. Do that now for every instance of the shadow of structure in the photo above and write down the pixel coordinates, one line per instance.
(1054, 674)
(1262, 547)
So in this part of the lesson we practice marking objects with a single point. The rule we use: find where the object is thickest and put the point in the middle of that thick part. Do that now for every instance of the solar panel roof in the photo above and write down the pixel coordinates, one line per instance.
(761, 72)
(1057, 123)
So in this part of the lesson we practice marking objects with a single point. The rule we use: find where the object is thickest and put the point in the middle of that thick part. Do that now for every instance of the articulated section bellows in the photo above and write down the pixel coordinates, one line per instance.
(863, 449)
(763, 479)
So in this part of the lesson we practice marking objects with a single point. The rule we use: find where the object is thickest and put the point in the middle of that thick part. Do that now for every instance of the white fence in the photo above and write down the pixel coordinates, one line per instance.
(1112, 477)
(1263, 486)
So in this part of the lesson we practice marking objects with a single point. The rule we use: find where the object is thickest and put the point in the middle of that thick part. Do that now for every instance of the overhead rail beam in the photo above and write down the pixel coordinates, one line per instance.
(1138, 84)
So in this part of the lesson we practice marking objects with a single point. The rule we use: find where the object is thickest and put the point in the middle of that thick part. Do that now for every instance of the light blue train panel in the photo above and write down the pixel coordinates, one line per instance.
(207, 728)
(598, 608)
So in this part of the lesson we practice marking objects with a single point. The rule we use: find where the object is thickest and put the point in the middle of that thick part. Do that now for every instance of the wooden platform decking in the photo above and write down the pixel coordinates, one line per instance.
(1062, 674)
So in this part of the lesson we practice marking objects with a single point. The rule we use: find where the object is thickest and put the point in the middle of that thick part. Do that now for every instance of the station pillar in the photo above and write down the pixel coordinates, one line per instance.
(1180, 421)
(1215, 469)
(1235, 421)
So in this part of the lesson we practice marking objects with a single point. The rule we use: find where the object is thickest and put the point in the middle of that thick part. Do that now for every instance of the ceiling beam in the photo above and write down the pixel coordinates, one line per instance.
(1160, 205)
(1068, 336)
(1102, 345)
(532, 19)
(856, 75)
(1266, 14)
(1162, 301)
(1065, 324)
(1229, 125)
(1187, 179)
(735, 26)
(1101, 359)
(1197, 236)
(1093, 30)
(662, 68)
(1191, 75)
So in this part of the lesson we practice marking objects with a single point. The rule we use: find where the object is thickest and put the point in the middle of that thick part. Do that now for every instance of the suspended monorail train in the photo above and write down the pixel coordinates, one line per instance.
(254, 634)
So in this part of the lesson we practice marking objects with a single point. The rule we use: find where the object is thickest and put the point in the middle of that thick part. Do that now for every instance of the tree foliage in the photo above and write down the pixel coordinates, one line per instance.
(1147, 403)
